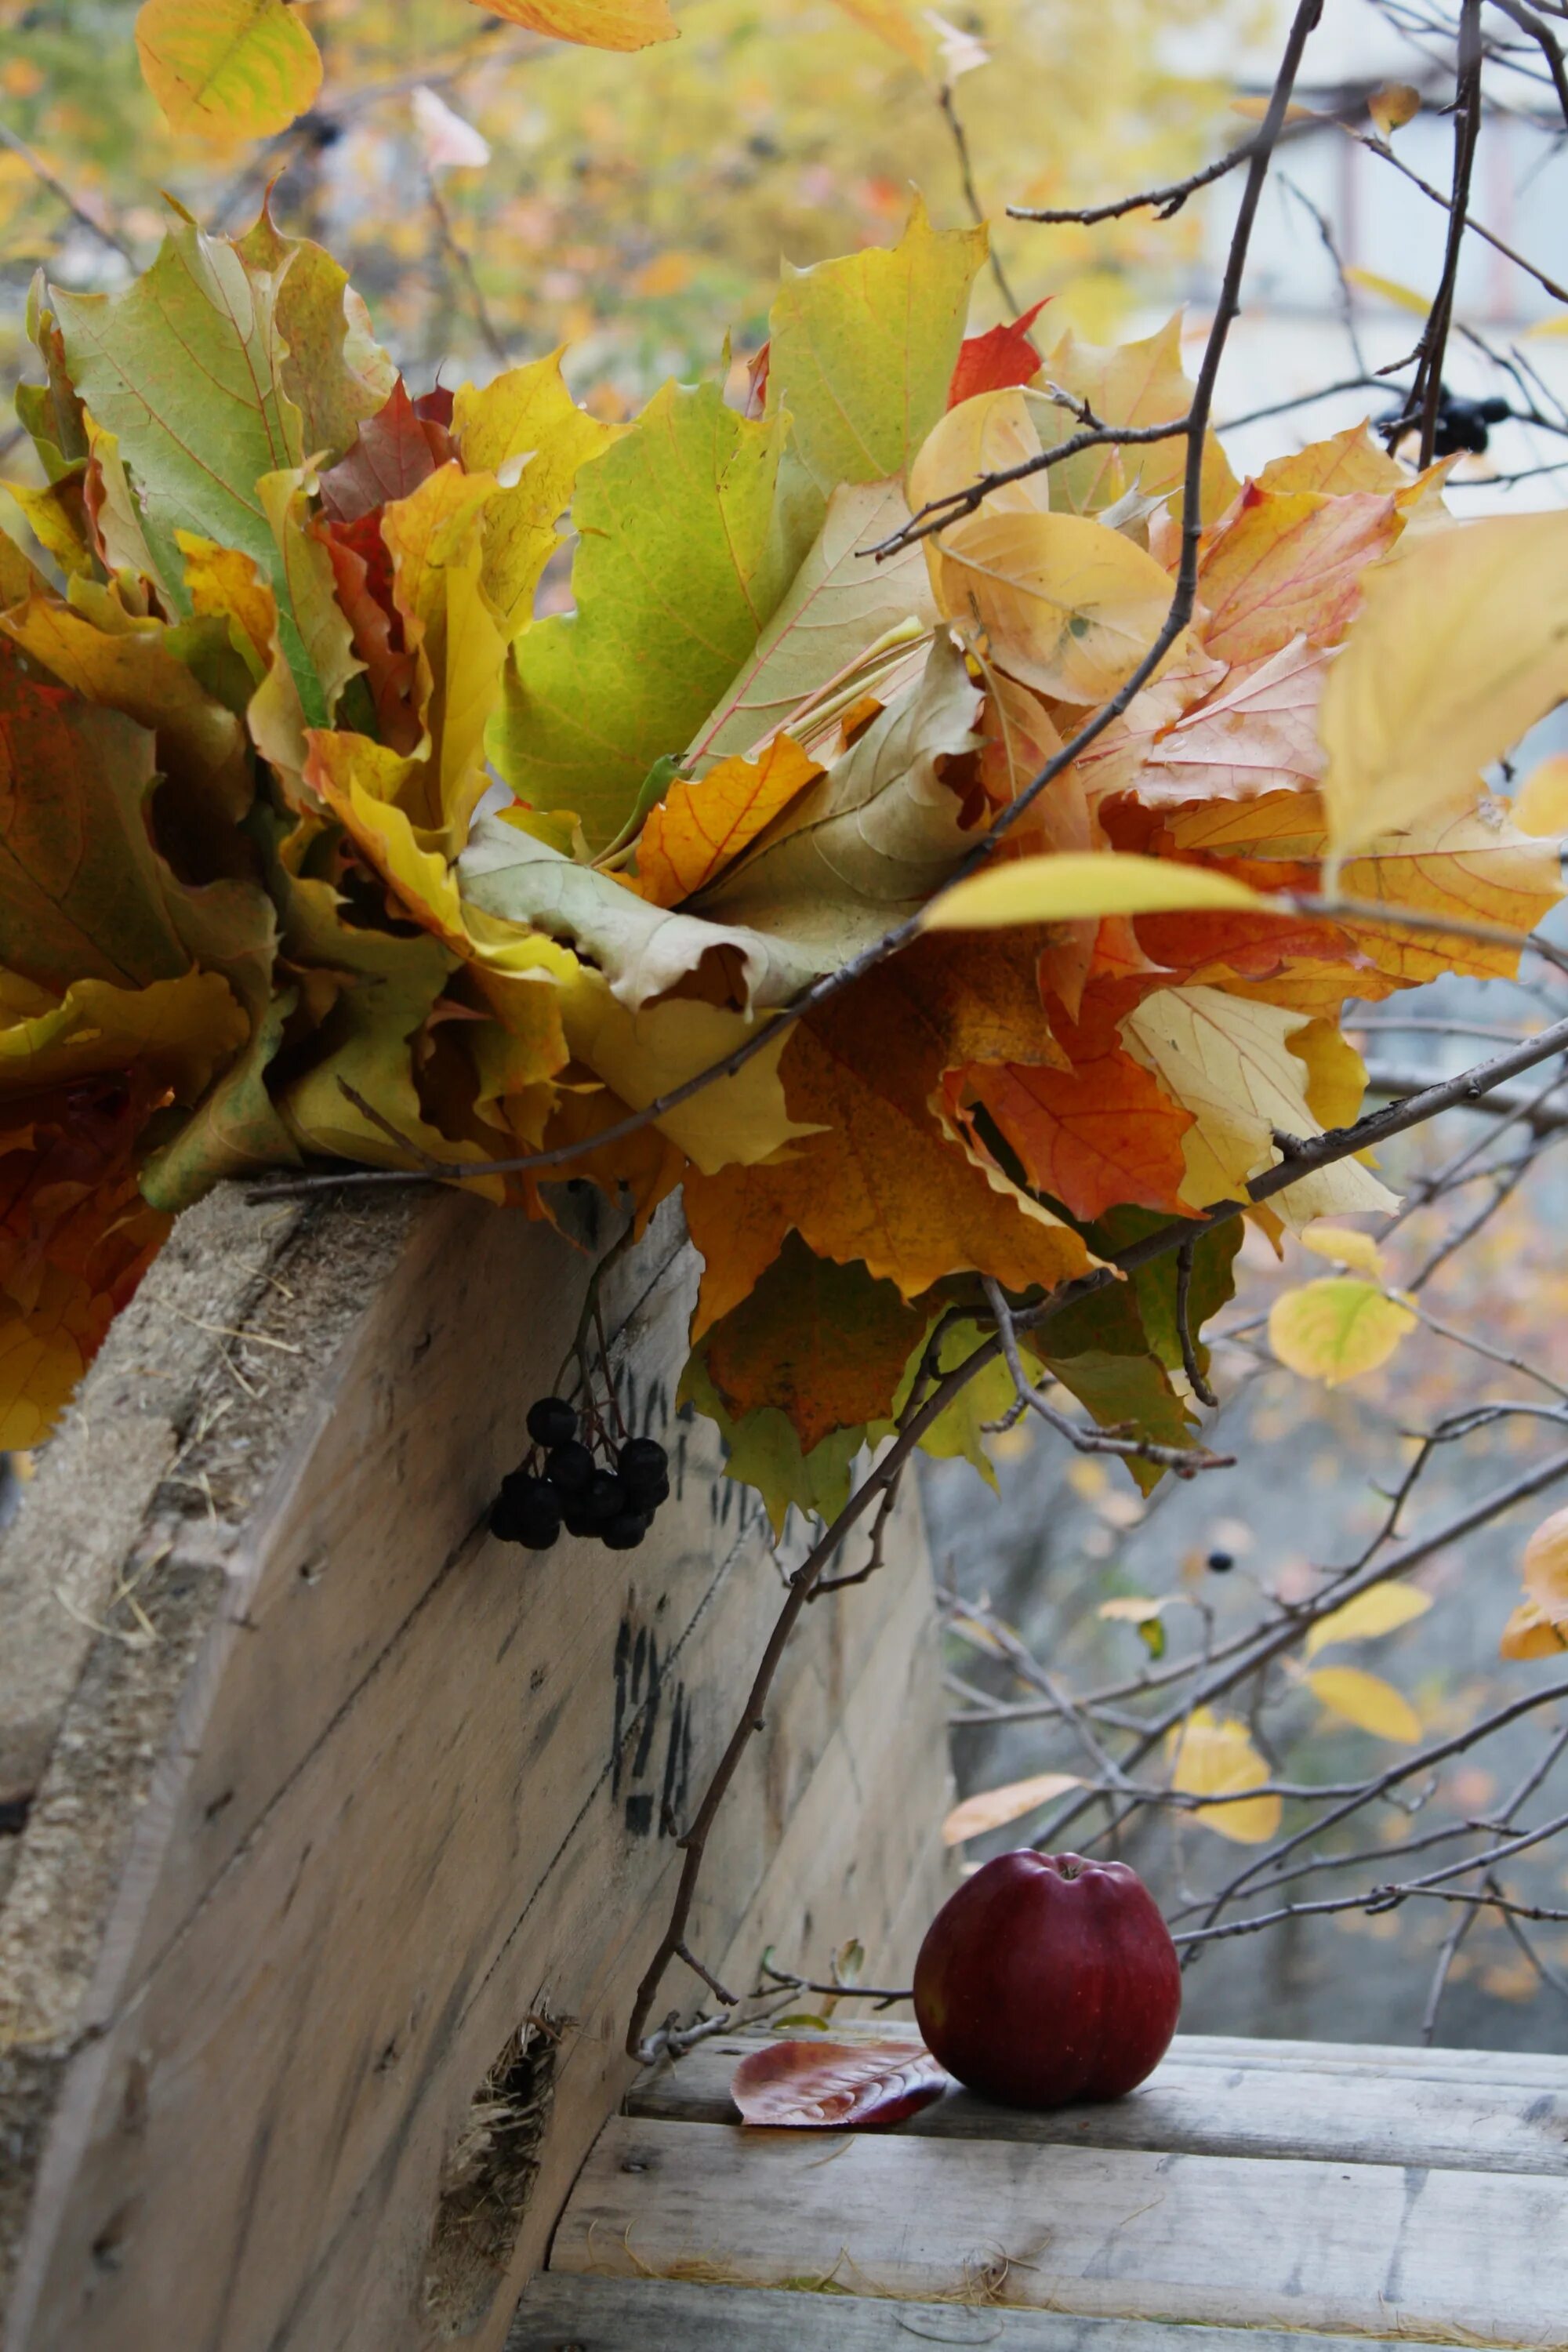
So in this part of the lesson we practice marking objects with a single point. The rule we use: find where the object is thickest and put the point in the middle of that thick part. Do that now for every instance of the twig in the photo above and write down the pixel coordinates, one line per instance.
(1199, 1385)
(1427, 393)
(1164, 202)
(949, 105)
(58, 188)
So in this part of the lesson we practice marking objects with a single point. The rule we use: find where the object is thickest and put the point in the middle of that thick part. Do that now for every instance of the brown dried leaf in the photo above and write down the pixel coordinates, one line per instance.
(836, 2085)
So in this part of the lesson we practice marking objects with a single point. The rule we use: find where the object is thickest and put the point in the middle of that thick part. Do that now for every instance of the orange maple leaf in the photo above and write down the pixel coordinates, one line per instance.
(701, 827)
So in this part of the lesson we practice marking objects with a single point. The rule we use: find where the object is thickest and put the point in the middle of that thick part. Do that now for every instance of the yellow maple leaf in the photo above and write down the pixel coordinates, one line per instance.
(1347, 1245)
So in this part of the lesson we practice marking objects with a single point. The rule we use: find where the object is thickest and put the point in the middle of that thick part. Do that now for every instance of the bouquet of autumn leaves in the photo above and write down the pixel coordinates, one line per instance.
(318, 845)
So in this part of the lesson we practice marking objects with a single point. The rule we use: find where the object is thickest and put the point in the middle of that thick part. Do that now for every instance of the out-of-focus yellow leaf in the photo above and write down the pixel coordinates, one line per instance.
(593, 24)
(1368, 1702)
(1541, 804)
(892, 22)
(1091, 883)
(1253, 109)
(992, 1808)
(1546, 1565)
(1380, 1611)
(1215, 1757)
(1392, 106)
(1066, 605)
(1531, 1633)
(1337, 1327)
(1389, 289)
(1347, 1246)
(228, 70)
(1149, 1616)
(1452, 657)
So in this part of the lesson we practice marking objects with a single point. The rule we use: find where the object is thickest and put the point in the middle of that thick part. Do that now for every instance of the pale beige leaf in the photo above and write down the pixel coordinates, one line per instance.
(1392, 106)
(1531, 1633)
(1347, 1245)
(1215, 1757)
(1081, 884)
(1228, 1060)
(1546, 1565)
(1456, 653)
(1336, 1328)
(1382, 1609)
(992, 1808)
(1368, 1702)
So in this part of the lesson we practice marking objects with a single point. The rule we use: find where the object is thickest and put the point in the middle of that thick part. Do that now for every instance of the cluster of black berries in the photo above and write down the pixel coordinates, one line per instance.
(558, 1484)
(1465, 423)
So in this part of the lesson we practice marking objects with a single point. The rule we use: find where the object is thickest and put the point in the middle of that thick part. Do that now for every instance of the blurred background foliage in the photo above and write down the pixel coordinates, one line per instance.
(635, 208)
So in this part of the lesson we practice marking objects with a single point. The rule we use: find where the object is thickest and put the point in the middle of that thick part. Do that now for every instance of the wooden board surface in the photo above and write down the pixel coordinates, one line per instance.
(401, 1788)
(1458, 2117)
(1379, 2250)
(571, 2314)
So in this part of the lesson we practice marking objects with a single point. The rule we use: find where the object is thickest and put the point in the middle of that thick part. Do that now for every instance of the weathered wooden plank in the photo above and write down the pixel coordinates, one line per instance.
(1105, 2232)
(1246, 2107)
(600, 2315)
(1544, 2070)
(407, 1787)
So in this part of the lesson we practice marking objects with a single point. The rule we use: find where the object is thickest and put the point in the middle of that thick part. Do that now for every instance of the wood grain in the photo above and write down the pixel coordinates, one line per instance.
(1452, 2118)
(1382, 2249)
(668, 2316)
(408, 1787)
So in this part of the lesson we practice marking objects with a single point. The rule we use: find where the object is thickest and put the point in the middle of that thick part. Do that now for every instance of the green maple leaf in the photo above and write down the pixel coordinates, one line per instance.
(689, 538)
(862, 351)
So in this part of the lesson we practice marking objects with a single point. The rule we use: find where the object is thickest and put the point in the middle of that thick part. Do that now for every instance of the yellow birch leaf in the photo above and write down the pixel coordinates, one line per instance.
(1389, 289)
(1541, 804)
(1215, 1757)
(1392, 106)
(1546, 1565)
(593, 24)
(1382, 1609)
(227, 70)
(1531, 1633)
(985, 434)
(1451, 659)
(1067, 606)
(1347, 1246)
(992, 1808)
(1078, 884)
(1336, 1328)
(1368, 1702)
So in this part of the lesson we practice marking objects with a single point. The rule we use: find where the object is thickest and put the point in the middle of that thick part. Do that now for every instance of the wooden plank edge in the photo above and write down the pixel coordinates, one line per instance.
(563, 2314)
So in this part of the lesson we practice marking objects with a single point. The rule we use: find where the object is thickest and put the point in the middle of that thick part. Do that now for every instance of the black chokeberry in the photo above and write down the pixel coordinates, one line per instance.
(552, 1421)
(625, 1534)
(527, 1511)
(648, 1498)
(1221, 1562)
(643, 1459)
(569, 1467)
(604, 1499)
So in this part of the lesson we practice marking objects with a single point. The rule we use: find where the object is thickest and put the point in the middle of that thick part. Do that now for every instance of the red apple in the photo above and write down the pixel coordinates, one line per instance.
(1047, 1979)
